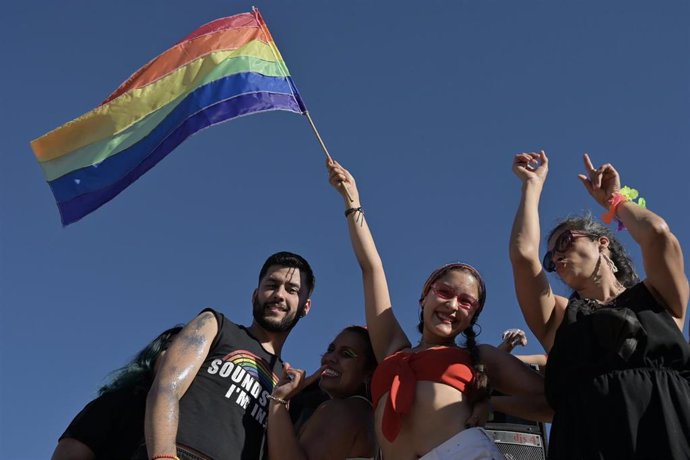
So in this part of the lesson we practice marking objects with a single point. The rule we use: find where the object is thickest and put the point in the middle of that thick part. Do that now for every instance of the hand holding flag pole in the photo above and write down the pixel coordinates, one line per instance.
(325, 150)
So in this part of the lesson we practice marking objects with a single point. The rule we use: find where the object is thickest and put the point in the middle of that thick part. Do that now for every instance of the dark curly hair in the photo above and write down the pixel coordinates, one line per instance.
(626, 274)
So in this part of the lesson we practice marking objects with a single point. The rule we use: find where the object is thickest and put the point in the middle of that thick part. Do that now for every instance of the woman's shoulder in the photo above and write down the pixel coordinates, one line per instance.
(118, 400)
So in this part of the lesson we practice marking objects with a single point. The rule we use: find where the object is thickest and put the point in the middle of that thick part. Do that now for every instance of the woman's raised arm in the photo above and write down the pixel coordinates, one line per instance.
(543, 311)
(384, 330)
(661, 251)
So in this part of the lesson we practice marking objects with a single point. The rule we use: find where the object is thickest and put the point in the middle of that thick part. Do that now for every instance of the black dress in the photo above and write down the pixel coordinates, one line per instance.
(618, 378)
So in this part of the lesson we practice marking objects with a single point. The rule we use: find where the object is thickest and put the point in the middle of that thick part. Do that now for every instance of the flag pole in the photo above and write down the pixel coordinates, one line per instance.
(325, 150)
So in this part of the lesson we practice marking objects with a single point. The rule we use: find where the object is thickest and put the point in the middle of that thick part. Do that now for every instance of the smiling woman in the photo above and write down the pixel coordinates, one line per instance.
(348, 364)
(342, 427)
(428, 398)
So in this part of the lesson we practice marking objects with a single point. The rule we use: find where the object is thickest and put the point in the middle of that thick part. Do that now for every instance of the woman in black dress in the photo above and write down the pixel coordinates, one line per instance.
(618, 373)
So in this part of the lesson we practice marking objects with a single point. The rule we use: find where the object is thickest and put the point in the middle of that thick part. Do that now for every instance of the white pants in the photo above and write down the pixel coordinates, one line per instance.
(469, 444)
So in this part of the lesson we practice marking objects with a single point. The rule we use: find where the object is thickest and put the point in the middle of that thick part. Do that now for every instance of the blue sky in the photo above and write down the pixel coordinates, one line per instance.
(425, 102)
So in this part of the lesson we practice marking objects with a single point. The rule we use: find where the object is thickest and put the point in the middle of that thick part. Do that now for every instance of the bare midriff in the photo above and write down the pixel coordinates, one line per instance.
(438, 412)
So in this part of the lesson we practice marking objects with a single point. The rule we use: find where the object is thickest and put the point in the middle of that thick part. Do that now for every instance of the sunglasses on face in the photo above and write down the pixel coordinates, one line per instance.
(562, 244)
(446, 293)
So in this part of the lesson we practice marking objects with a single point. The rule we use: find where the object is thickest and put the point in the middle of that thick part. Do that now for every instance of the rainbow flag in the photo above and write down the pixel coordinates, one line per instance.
(227, 68)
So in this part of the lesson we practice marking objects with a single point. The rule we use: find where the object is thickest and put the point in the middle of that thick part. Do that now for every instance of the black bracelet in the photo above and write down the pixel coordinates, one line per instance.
(351, 210)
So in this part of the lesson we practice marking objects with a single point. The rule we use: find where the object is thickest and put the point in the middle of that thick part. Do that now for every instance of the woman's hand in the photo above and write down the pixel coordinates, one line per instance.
(341, 179)
(481, 411)
(511, 339)
(600, 182)
(531, 167)
(294, 381)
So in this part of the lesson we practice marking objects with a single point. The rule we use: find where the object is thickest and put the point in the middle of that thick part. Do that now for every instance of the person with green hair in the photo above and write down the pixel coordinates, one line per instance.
(111, 427)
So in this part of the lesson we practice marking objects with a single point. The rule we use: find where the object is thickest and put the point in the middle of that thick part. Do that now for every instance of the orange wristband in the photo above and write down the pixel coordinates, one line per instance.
(615, 201)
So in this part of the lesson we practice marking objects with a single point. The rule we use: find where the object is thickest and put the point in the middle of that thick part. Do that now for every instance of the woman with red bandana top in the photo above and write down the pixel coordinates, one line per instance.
(426, 397)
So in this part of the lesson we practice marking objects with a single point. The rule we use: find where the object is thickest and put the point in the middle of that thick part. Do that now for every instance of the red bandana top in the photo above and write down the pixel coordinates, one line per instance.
(400, 372)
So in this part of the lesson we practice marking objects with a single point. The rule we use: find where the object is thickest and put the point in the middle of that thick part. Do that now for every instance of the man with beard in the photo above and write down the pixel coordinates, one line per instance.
(210, 397)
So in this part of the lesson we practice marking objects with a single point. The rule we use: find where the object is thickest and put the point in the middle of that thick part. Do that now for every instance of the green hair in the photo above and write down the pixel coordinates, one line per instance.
(139, 372)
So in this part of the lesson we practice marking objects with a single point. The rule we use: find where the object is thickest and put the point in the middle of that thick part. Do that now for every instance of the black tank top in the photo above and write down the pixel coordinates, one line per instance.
(223, 414)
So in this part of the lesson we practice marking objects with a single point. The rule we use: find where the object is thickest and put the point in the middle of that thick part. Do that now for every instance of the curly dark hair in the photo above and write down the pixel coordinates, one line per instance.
(626, 274)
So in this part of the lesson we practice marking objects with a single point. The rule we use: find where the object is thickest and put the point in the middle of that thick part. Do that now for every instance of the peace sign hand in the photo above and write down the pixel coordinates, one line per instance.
(600, 182)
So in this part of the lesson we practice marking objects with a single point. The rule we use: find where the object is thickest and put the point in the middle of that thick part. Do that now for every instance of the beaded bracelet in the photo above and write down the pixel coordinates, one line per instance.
(351, 210)
(277, 399)
(173, 457)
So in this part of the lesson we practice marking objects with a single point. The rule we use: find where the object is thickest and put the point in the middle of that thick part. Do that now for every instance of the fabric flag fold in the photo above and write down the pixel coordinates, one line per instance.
(225, 69)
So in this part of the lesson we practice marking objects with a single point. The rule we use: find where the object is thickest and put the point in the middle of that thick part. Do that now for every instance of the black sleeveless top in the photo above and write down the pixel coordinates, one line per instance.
(618, 378)
(112, 425)
(223, 414)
